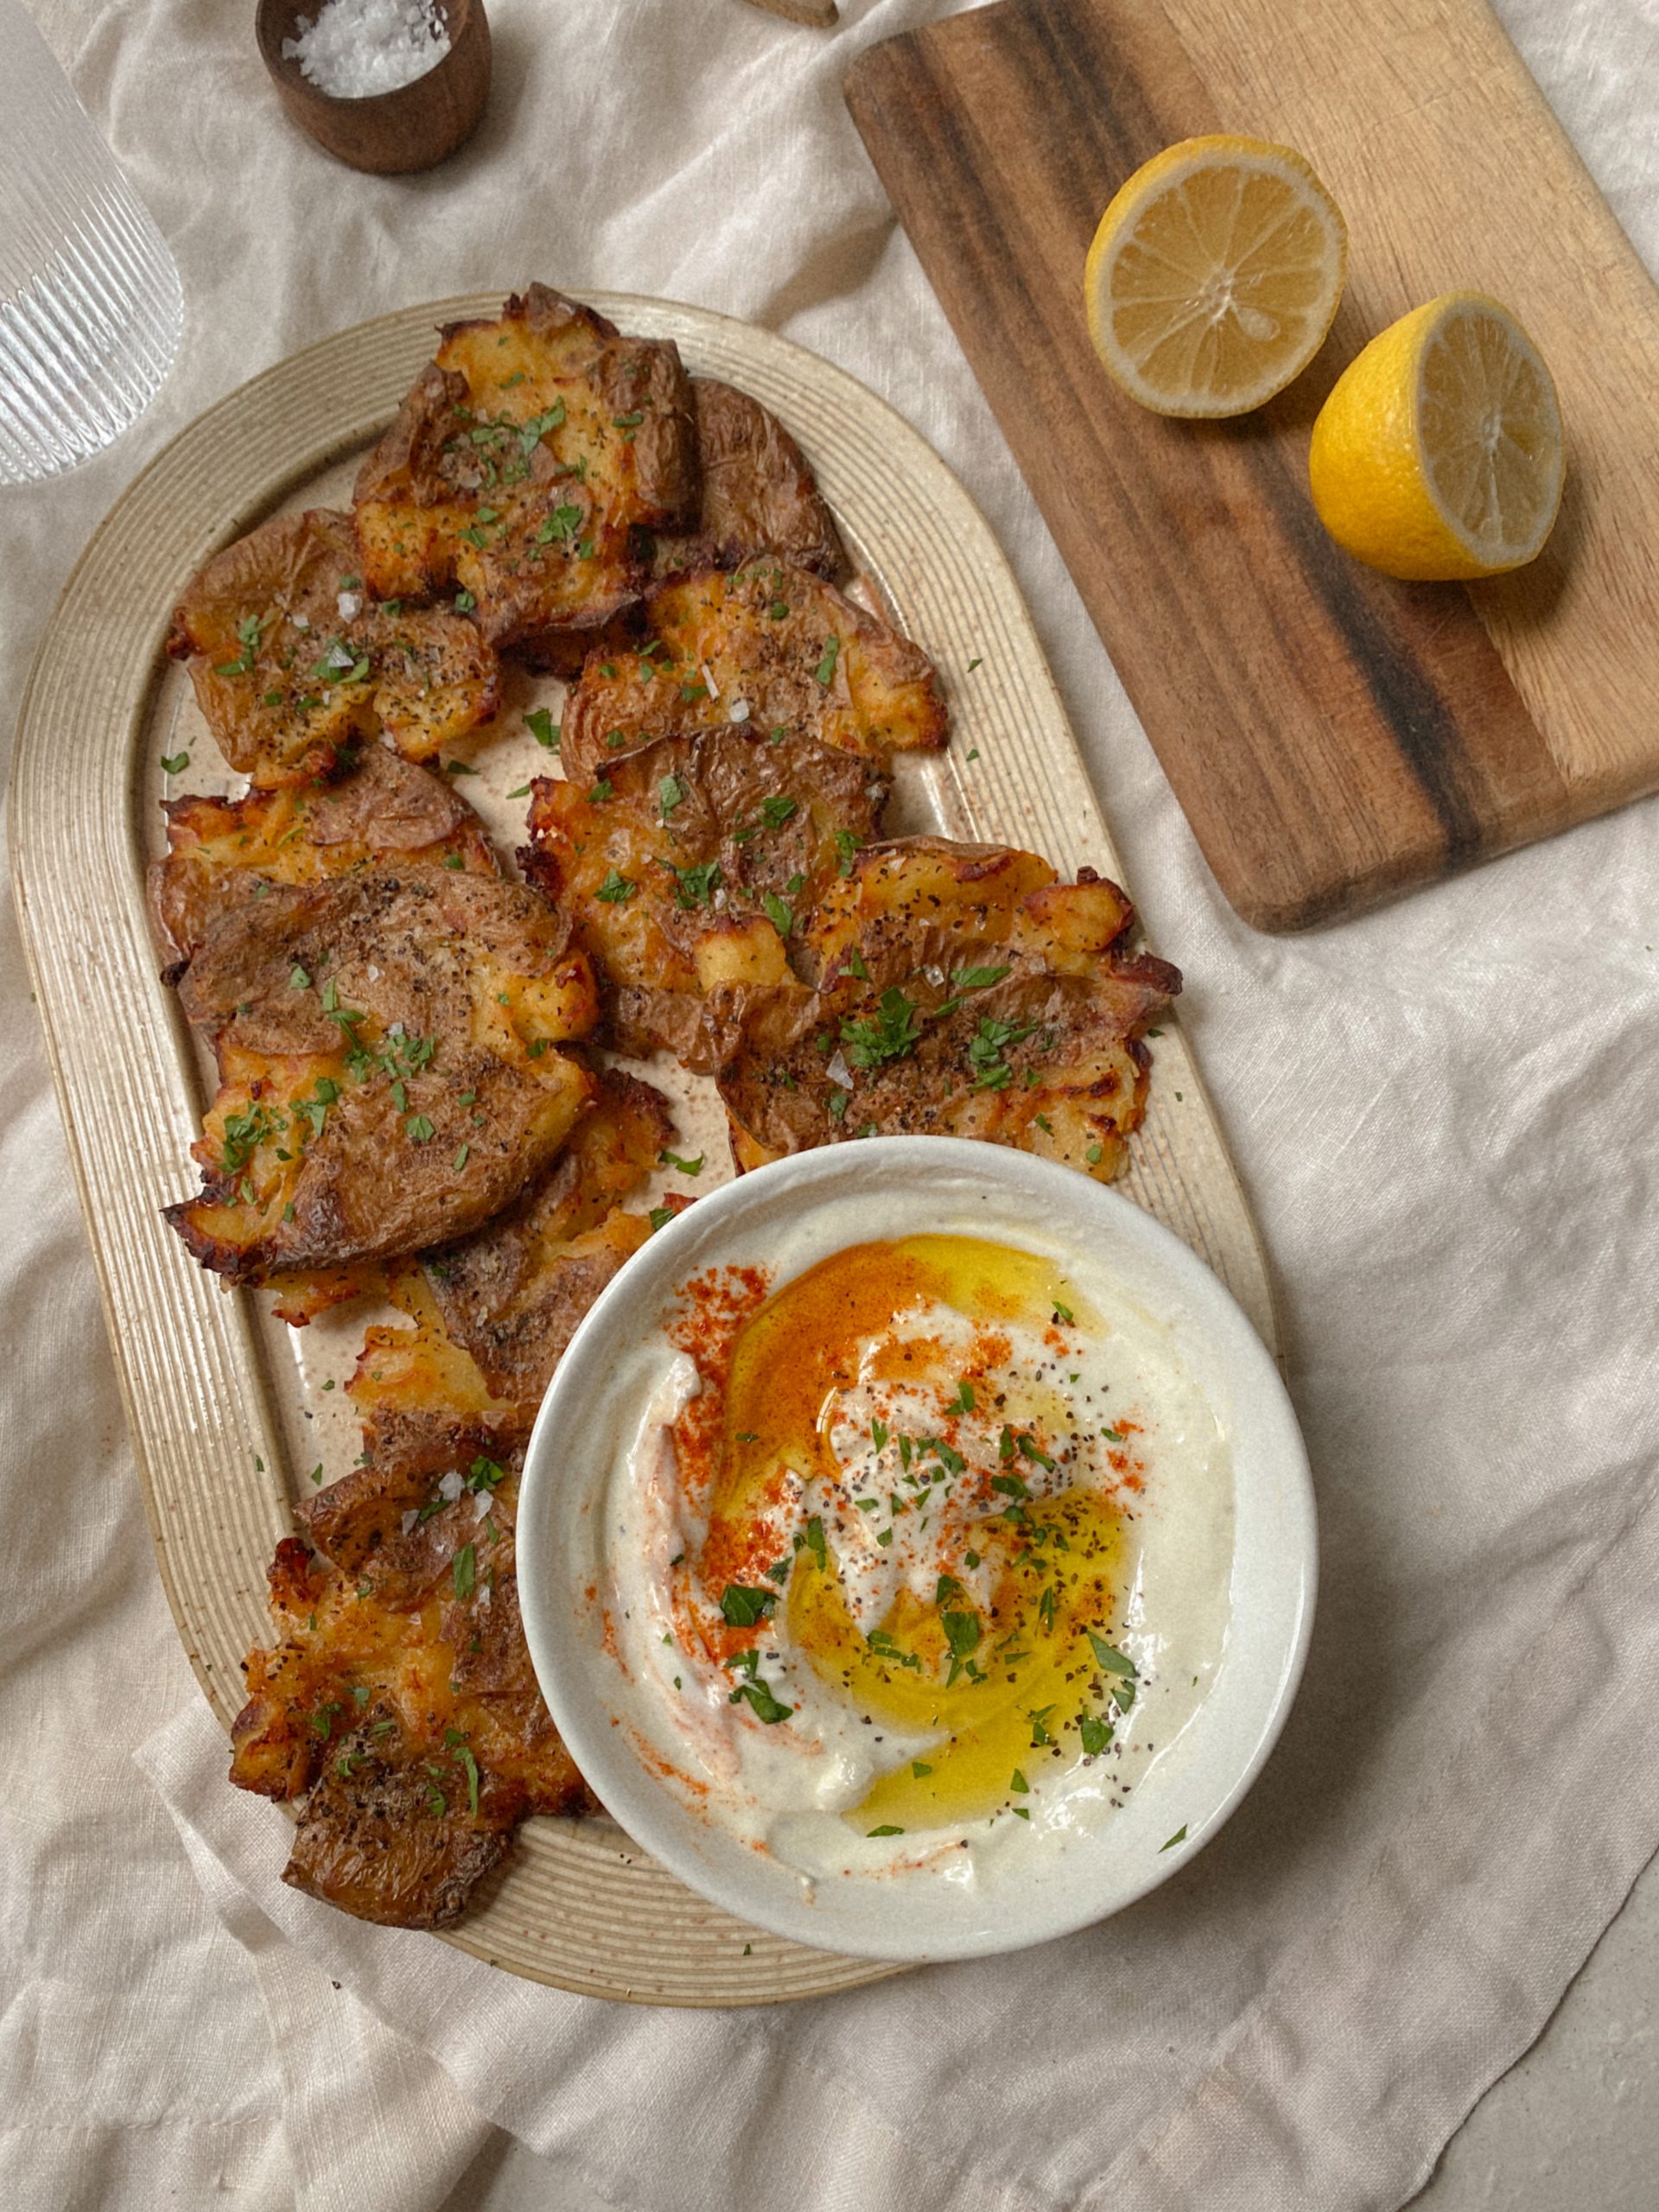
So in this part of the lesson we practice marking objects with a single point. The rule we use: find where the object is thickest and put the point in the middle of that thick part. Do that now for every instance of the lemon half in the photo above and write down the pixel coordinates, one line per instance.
(1438, 454)
(1214, 275)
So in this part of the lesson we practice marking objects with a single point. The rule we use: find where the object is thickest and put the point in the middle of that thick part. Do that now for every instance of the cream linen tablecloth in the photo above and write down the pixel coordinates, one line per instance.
(1444, 1116)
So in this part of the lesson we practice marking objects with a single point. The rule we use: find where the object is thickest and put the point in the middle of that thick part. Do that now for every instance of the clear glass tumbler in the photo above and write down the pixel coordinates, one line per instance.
(91, 305)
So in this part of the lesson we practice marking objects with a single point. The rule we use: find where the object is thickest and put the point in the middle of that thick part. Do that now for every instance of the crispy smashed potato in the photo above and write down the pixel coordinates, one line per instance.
(400, 1693)
(687, 867)
(511, 1294)
(769, 647)
(759, 495)
(384, 812)
(524, 468)
(293, 662)
(388, 1067)
(963, 991)
(492, 1313)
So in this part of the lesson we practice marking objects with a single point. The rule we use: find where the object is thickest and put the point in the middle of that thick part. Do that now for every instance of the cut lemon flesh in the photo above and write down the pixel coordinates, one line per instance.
(1214, 275)
(1438, 454)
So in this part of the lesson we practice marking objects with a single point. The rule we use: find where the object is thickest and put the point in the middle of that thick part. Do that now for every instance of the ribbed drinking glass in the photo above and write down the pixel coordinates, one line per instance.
(91, 305)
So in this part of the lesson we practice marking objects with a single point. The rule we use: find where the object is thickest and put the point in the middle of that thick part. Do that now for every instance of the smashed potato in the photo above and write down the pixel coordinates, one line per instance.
(383, 812)
(689, 867)
(963, 991)
(492, 1313)
(768, 647)
(400, 1695)
(759, 495)
(293, 662)
(524, 468)
(388, 1067)
(511, 1294)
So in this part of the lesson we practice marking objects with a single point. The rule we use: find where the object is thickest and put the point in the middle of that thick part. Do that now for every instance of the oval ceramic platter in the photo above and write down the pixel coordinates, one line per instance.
(233, 1416)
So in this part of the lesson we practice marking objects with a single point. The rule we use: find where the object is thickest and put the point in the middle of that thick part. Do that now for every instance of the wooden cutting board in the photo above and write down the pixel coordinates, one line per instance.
(1335, 738)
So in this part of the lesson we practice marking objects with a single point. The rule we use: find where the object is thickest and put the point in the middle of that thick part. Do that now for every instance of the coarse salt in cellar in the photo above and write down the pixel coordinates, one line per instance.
(352, 49)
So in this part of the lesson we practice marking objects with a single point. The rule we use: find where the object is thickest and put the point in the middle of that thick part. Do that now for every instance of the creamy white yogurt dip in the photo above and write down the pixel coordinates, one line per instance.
(916, 1558)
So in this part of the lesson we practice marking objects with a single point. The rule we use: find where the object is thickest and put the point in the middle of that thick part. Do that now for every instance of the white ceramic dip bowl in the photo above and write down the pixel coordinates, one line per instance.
(578, 1516)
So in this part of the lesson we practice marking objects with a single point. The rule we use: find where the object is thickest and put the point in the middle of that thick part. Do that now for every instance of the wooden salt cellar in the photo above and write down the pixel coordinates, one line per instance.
(388, 134)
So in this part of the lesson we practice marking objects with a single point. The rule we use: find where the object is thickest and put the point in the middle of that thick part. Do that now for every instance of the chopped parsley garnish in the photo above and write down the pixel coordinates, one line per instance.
(976, 979)
(961, 1633)
(774, 812)
(815, 1543)
(696, 886)
(562, 524)
(891, 1032)
(463, 1572)
(244, 1133)
(248, 636)
(661, 1216)
(599, 792)
(764, 1705)
(464, 605)
(781, 916)
(174, 764)
(886, 1828)
(542, 727)
(1179, 1836)
(614, 889)
(743, 1605)
(846, 845)
(991, 1071)
(1031, 1450)
(419, 1129)
(686, 1166)
(825, 671)
(486, 1474)
(669, 794)
(1095, 1734)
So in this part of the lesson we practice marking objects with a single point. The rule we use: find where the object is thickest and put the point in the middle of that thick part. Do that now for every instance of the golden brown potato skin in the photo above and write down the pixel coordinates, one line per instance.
(293, 663)
(963, 992)
(726, 840)
(383, 812)
(524, 467)
(381, 1838)
(759, 495)
(387, 1066)
(401, 1686)
(785, 651)
(511, 1294)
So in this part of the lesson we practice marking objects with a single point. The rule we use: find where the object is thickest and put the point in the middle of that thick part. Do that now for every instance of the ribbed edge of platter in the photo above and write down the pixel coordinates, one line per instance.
(579, 1906)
